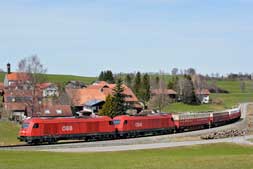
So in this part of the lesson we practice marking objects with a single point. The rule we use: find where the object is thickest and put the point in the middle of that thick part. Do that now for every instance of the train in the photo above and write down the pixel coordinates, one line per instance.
(50, 130)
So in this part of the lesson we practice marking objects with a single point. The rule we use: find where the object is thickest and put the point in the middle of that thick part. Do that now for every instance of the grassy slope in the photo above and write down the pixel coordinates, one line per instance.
(8, 133)
(233, 98)
(219, 156)
(62, 78)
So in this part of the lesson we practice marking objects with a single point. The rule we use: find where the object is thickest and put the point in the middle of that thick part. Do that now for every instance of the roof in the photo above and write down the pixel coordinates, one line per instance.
(55, 110)
(45, 85)
(202, 92)
(15, 106)
(97, 92)
(165, 91)
(18, 76)
(93, 102)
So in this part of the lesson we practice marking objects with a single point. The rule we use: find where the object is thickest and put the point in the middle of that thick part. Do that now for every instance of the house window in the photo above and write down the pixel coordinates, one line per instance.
(59, 111)
(47, 112)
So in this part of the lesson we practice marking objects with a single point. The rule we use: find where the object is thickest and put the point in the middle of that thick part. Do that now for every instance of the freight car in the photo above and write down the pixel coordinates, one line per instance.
(133, 126)
(38, 130)
(189, 121)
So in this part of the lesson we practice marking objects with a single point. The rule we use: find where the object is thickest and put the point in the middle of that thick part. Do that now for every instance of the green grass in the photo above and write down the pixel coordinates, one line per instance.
(62, 78)
(8, 133)
(2, 75)
(65, 78)
(218, 156)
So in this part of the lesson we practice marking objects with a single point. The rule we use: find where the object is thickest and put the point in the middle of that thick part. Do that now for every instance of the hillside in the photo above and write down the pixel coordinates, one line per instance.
(62, 78)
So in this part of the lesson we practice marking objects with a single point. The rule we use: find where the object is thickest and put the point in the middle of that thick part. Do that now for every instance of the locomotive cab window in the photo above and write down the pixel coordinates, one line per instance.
(25, 125)
(125, 122)
(110, 122)
(116, 122)
(36, 125)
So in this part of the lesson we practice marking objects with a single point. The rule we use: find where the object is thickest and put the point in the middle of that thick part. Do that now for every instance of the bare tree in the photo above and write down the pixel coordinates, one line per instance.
(34, 69)
(242, 86)
(160, 99)
(174, 71)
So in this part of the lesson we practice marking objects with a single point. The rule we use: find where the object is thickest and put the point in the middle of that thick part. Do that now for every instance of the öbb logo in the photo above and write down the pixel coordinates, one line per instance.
(138, 124)
(67, 128)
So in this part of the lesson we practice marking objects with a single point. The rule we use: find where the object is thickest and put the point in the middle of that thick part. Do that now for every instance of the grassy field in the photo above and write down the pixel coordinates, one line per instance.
(62, 78)
(218, 156)
(235, 97)
(8, 133)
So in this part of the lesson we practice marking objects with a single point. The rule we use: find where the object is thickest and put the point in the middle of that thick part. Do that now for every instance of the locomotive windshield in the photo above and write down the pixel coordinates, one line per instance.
(25, 125)
(116, 122)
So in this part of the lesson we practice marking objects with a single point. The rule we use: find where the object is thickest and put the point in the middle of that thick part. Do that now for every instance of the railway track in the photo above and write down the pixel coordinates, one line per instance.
(132, 141)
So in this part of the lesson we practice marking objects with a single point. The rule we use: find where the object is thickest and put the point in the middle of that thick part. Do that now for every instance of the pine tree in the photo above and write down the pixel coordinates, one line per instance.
(137, 85)
(145, 89)
(107, 109)
(119, 106)
(106, 76)
(101, 76)
(128, 80)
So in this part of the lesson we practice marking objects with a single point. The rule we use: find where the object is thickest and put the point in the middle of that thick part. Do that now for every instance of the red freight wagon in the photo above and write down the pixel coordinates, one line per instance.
(191, 120)
(234, 114)
(220, 117)
(53, 129)
(130, 126)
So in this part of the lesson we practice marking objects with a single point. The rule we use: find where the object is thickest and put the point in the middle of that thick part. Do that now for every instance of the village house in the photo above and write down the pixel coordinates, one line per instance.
(49, 89)
(15, 78)
(171, 94)
(92, 98)
(203, 95)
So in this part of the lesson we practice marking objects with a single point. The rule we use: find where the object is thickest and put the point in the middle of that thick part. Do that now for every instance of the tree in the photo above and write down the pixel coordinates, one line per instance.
(160, 100)
(145, 90)
(191, 71)
(119, 105)
(108, 107)
(174, 71)
(106, 76)
(128, 80)
(137, 84)
(242, 86)
(36, 72)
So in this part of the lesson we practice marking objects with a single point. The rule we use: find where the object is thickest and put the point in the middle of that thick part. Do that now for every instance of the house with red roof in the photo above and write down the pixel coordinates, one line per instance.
(92, 98)
(203, 95)
(15, 78)
(48, 89)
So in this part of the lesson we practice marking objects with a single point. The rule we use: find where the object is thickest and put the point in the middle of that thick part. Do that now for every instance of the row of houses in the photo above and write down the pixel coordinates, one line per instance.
(20, 100)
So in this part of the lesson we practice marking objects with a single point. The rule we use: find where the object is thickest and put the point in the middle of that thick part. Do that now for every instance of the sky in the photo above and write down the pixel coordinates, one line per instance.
(83, 37)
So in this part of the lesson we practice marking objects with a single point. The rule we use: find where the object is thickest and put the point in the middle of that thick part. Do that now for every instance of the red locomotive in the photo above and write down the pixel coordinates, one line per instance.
(132, 126)
(39, 130)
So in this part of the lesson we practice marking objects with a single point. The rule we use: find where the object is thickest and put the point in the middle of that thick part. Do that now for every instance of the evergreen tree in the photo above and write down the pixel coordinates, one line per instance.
(128, 80)
(101, 76)
(106, 76)
(107, 109)
(145, 94)
(119, 106)
(137, 85)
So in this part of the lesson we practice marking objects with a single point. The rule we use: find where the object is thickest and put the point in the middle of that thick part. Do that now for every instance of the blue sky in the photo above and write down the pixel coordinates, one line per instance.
(83, 37)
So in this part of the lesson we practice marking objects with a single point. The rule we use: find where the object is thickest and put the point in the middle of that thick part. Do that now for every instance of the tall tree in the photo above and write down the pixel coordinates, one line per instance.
(36, 72)
(119, 105)
(174, 71)
(137, 84)
(106, 76)
(128, 80)
(145, 91)
(108, 107)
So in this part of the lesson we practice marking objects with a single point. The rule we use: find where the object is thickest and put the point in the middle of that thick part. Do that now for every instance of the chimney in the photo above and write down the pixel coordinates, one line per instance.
(9, 68)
